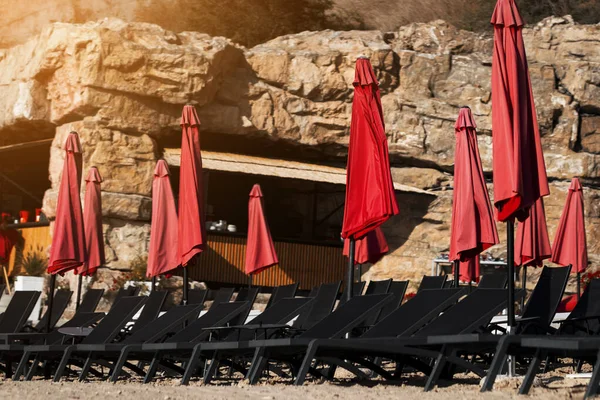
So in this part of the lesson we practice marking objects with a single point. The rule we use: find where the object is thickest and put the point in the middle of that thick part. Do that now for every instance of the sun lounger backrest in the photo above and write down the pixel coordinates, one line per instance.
(125, 292)
(222, 295)
(170, 322)
(115, 320)
(321, 307)
(18, 311)
(282, 292)
(398, 290)
(377, 287)
(587, 306)
(249, 295)
(151, 309)
(90, 300)
(59, 305)
(416, 312)
(347, 316)
(218, 315)
(357, 290)
(2, 288)
(432, 282)
(197, 296)
(497, 280)
(469, 314)
(545, 298)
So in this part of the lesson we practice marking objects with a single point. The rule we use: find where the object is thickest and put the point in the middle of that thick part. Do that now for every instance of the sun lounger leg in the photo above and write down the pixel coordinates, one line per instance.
(438, 367)
(153, 368)
(306, 364)
(21, 366)
(86, 368)
(210, 372)
(191, 366)
(258, 365)
(33, 369)
(118, 367)
(63, 363)
(592, 389)
(497, 364)
(534, 367)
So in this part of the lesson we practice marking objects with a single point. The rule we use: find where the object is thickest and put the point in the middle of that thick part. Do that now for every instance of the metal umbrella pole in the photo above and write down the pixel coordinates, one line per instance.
(510, 247)
(79, 286)
(153, 283)
(456, 273)
(523, 286)
(185, 286)
(350, 272)
(50, 302)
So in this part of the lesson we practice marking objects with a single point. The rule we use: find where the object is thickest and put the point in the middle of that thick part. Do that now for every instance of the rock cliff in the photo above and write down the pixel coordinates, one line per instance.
(122, 85)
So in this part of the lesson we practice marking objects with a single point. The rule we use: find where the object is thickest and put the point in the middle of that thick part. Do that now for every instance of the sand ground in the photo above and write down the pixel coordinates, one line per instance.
(549, 387)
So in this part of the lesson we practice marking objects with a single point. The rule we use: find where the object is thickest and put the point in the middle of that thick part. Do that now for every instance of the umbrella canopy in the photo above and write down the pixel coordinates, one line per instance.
(162, 254)
(370, 248)
(533, 245)
(92, 221)
(370, 199)
(519, 170)
(192, 234)
(570, 243)
(68, 240)
(470, 269)
(260, 251)
(473, 227)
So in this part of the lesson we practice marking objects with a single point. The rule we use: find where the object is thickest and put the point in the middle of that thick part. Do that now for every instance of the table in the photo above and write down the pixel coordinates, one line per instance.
(75, 331)
(435, 264)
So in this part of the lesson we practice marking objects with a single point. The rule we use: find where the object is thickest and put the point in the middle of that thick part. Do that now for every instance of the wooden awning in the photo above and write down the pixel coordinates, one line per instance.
(242, 164)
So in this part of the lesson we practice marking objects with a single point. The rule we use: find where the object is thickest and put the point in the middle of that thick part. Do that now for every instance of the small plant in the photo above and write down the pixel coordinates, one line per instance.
(587, 277)
(34, 262)
(409, 296)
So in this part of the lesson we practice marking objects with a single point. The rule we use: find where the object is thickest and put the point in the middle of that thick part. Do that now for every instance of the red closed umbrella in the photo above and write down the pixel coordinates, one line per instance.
(519, 169)
(473, 227)
(370, 198)
(570, 242)
(518, 160)
(68, 249)
(260, 251)
(533, 245)
(369, 249)
(192, 233)
(92, 220)
(162, 253)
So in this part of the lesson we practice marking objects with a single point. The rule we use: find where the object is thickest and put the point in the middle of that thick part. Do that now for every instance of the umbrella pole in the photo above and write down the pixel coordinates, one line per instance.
(350, 272)
(578, 285)
(79, 285)
(456, 273)
(153, 283)
(185, 286)
(524, 287)
(510, 267)
(50, 301)
(359, 272)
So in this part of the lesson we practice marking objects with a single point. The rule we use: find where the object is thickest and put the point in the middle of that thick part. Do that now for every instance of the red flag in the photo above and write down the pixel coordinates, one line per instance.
(162, 253)
(92, 220)
(68, 240)
(570, 243)
(518, 160)
(192, 233)
(260, 251)
(370, 198)
(532, 246)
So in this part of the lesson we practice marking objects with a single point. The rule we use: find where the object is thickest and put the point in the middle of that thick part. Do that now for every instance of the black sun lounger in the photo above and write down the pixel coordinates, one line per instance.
(14, 343)
(497, 280)
(280, 313)
(197, 296)
(222, 295)
(325, 298)
(131, 291)
(467, 316)
(110, 326)
(18, 311)
(90, 300)
(282, 292)
(432, 282)
(197, 330)
(106, 353)
(59, 305)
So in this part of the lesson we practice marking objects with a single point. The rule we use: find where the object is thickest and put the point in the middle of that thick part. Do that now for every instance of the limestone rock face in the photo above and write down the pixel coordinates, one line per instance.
(122, 86)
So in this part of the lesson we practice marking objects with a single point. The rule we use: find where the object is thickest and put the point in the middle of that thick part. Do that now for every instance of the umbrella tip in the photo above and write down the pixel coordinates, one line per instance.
(363, 57)
(466, 107)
